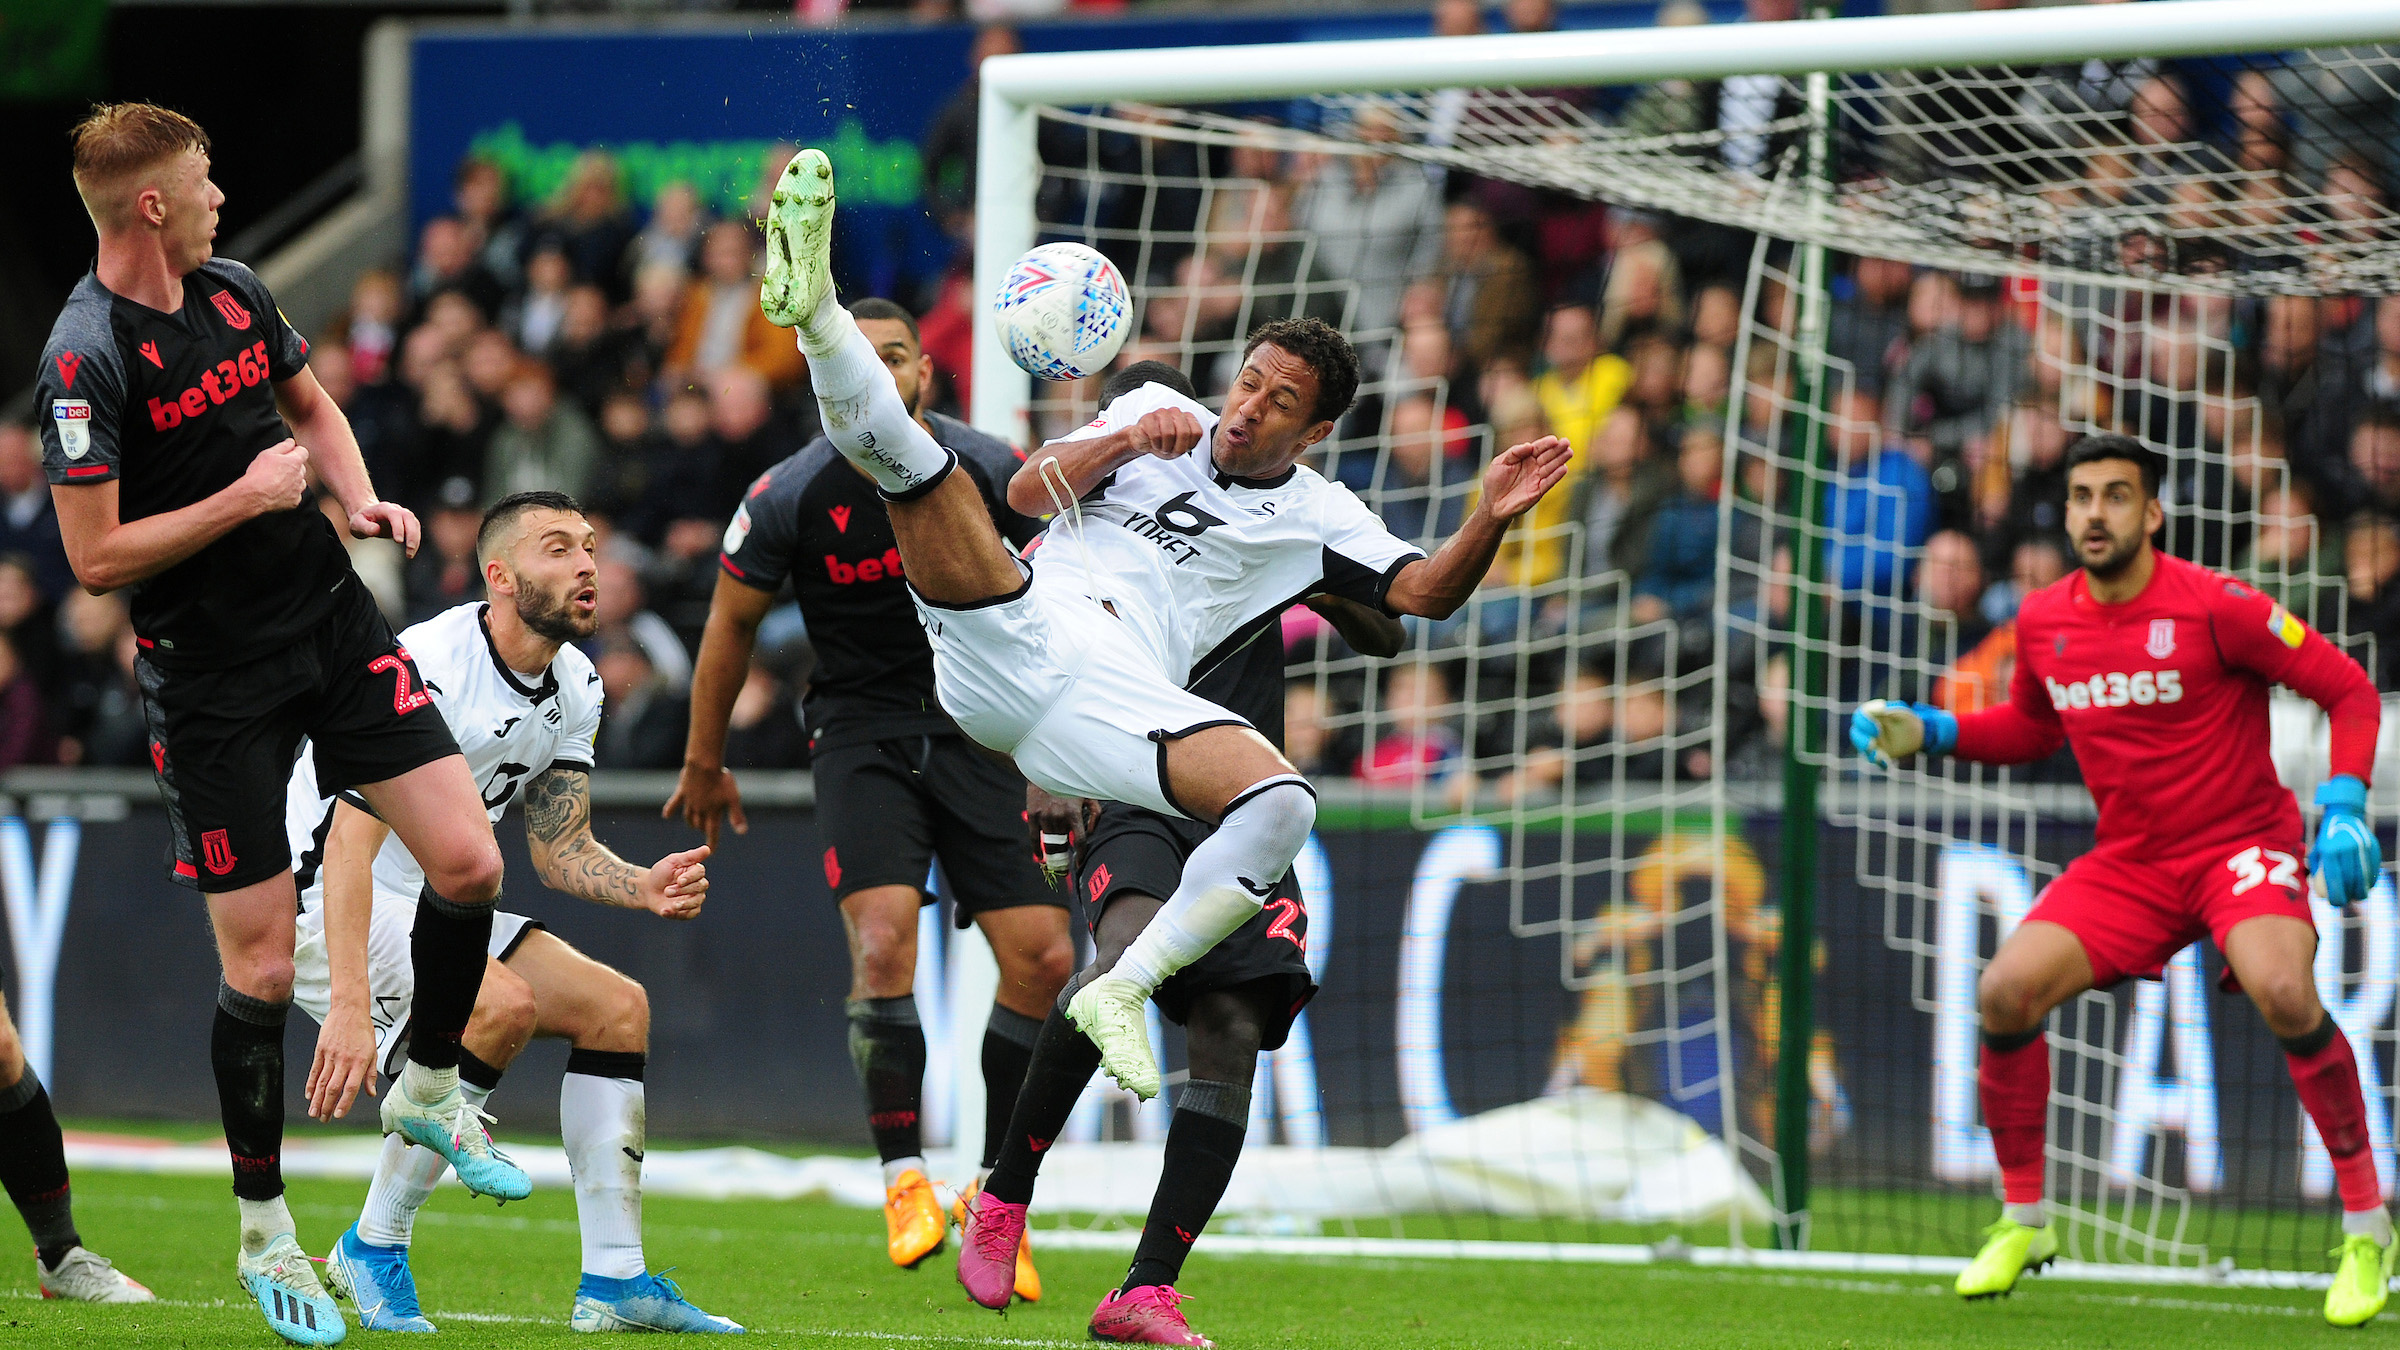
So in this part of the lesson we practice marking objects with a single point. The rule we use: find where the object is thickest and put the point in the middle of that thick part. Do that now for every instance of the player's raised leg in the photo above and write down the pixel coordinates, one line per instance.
(2040, 966)
(33, 1169)
(369, 1265)
(1263, 810)
(887, 1047)
(2272, 955)
(440, 818)
(945, 534)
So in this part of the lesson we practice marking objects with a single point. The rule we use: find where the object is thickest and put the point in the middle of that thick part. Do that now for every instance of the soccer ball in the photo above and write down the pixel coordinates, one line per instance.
(1062, 312)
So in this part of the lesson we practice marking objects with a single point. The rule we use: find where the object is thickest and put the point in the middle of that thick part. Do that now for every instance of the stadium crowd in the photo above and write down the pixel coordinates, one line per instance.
(615, 350)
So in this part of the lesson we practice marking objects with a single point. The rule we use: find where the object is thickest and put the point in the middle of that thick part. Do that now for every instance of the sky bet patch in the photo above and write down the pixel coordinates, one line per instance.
(2287, 626)
(74, 419)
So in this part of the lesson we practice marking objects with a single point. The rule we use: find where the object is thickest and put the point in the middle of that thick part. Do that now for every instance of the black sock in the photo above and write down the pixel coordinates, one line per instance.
(473, 1072)
(449, 947)
(1008, 1041)
(888, 1046)
(1064, 1061)
(246, 1050)
(1205, 1141)
(33, 1167)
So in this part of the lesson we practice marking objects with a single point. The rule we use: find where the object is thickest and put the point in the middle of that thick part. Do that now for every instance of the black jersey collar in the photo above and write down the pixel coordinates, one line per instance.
(534, 693)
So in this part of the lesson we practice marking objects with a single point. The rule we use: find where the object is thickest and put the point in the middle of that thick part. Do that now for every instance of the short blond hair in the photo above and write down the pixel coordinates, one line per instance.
(118, 141)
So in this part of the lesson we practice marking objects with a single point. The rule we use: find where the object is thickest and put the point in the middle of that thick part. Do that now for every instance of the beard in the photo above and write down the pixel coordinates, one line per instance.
(553, 617)
(2122, 550)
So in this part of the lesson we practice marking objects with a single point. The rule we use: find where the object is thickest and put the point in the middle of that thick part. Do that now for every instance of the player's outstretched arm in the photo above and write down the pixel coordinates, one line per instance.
(1165, 432)
(706, 794)
(558, 828)
(108, 553)
(1515, 480)
(345, 1055)
(319, 423)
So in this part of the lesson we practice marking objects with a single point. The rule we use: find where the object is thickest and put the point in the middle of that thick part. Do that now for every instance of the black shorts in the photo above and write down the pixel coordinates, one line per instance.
(1133, 851)
(223, 741)
(887, 809)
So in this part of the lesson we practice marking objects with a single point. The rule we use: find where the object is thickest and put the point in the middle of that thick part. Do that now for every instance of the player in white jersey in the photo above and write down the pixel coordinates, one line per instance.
(524, 706)
(1182, 532)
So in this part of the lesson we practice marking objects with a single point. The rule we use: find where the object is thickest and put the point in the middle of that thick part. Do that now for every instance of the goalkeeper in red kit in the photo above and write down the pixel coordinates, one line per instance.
(2156, 671)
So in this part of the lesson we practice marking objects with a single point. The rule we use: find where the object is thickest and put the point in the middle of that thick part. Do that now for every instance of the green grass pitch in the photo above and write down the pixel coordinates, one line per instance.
(808, 1273)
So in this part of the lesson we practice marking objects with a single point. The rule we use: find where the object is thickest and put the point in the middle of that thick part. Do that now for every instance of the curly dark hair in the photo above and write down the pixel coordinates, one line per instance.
(1325, 350)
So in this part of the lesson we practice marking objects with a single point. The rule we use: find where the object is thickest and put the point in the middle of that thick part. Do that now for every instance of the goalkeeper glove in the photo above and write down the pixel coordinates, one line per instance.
(2347, 859)
(1885, 731)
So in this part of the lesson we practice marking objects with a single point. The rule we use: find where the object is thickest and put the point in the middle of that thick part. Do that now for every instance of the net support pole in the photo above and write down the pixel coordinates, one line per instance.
(1008, 175)
(1796, 978)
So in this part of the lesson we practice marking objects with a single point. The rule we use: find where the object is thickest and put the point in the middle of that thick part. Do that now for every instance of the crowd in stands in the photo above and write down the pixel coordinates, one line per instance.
(615, 350)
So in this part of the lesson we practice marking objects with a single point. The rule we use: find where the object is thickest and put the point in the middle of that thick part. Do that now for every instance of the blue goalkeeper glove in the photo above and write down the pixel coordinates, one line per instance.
(2347, 858)
(1885, 731)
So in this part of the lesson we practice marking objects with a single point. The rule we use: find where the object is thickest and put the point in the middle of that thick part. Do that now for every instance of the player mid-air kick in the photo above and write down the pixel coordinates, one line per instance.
(1164, 560)
(524, 704)
(2156, 672)
(180, 427)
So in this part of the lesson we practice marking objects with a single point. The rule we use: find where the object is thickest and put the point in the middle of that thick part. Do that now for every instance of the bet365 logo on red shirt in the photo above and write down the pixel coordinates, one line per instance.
(2116, 689)
(216, 386)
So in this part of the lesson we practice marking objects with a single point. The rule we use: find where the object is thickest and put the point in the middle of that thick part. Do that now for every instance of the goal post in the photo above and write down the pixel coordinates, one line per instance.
(1725, 983)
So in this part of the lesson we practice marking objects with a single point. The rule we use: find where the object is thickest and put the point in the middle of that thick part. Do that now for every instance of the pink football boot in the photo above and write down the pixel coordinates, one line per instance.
(1145, 1316)
(987, 1252)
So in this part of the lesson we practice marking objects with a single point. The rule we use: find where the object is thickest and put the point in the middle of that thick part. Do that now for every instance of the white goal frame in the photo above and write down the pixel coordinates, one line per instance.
(1009, 168)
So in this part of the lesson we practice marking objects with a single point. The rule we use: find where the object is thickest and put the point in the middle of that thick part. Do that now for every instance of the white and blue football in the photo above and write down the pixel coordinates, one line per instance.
(1062, 312)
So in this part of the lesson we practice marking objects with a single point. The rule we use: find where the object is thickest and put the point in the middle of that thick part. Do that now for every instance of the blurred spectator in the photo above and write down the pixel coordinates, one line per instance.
(721, 324)
(1679, 579)
(950, 139)
(545, 443)
(1622, 495)
(2371, 552)
(1414, 739)
(29, 619)
(765, 731)
(1493, 306)
(446, 264)
(2303, 378)
(589, 221)
(481, 195)
(2375, 458)
(1583, 383)
(642, 724)
(1306, 738)
(99, 704)
(1643, 298)
(1745, 106)
(2034, 564)
(672, 236)
(28, 519)
(747, 439)
(1378, 222)
(592, 358)
(1870, 321)
(377, 304)
(445, 572)
(454, 434)
(2031, 452)
(531, 319)
(1425, 487)
(1880, 507)
(1950, 590)
(1958, 380)
(626, 621)
(25, 734)
(2293, 560)
(1577, 738)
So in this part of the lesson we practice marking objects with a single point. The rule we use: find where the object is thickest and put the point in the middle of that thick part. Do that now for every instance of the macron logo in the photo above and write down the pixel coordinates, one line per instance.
(68, 364)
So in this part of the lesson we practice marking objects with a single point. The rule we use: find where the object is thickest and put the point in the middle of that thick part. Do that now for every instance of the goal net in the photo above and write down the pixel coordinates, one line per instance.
(1820, 342)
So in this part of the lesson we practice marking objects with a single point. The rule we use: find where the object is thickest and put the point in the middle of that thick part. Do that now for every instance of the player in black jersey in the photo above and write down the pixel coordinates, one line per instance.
(897, 784)
(1238, 999)
(180, 427)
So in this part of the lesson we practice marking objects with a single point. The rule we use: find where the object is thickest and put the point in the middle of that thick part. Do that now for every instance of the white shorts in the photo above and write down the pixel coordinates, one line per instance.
(391, 974)
(1051, 679)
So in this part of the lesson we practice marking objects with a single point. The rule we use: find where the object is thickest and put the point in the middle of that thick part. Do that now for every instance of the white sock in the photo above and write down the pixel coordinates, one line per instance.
(262, 1222)
(914, 1162)
(2035, 1215)
(861, 406)
(606, 1128)
(1224, 881)
(404, 1180)
(2375, 1223)
(426, 1086)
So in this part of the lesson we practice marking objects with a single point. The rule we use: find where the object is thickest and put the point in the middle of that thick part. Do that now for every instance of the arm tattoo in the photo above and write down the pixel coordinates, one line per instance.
(558, 827)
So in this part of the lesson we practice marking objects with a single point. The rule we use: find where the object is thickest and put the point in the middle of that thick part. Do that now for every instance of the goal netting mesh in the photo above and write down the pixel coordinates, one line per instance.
(1552, 1007)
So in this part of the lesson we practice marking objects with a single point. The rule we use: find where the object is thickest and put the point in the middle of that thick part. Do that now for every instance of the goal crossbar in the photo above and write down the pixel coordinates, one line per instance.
(1013, 87)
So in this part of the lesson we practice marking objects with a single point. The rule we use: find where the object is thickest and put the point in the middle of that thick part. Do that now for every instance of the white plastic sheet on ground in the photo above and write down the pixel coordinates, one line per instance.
(1586, 1155)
